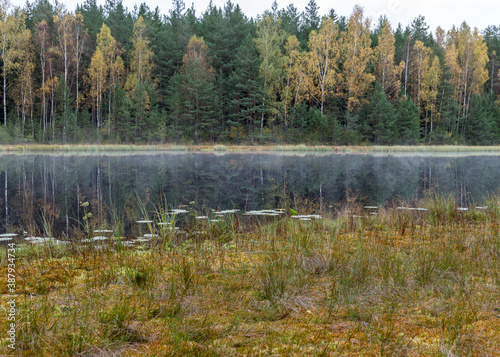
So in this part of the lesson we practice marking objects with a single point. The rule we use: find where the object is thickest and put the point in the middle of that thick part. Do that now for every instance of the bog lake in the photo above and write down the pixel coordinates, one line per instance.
(37, 190)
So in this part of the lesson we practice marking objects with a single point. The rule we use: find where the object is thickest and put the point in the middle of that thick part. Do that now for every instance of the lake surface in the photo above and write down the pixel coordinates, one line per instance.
(52, 187)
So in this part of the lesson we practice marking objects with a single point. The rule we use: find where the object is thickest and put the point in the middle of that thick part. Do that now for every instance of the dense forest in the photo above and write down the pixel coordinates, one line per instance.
(107, 74)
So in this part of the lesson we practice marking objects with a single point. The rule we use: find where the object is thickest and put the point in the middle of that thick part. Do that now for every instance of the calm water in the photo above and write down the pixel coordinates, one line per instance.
(53, 186)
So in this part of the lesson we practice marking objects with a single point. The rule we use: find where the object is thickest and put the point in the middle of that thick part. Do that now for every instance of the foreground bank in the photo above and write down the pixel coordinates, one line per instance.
(365, 281)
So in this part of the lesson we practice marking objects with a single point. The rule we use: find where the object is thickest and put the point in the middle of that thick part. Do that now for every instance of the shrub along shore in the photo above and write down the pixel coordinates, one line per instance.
(359, 281)
(36, 148)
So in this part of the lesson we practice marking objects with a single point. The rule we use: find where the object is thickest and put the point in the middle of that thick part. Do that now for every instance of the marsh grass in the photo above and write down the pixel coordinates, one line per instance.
(220, 148)
(298, 149)
(401, 282)
(89, 148)
(433, 148)
(302, 147)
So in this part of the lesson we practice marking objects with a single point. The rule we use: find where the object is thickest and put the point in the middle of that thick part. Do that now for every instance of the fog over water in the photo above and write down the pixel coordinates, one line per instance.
(51, 186)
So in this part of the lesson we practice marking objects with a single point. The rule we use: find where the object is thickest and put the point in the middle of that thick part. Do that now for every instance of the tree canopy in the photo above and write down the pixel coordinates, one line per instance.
(110, 74)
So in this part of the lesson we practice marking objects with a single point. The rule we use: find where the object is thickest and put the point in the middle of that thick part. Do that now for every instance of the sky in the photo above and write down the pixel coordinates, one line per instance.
(444, 13)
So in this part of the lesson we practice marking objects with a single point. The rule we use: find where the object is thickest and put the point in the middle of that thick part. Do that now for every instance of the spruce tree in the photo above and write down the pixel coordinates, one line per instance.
(483, 121)
(380, 117)
(407, 130)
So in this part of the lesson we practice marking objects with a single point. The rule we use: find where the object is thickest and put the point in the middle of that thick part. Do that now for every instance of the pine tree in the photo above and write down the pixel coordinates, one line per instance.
(120, 23)
(419, 30)
(38, 11)
(290, 18)
(93, 18)
(310, 21)
(172, 41)
(447, 109)
(403, 54)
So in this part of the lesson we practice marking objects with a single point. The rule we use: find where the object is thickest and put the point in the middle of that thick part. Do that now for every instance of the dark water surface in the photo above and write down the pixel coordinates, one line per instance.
(54, 186)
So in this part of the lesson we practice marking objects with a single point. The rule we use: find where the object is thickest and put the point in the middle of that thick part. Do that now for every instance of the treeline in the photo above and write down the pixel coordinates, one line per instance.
(107, 74)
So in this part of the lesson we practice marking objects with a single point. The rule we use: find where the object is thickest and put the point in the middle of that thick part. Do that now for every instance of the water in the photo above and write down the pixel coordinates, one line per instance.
(52, 187)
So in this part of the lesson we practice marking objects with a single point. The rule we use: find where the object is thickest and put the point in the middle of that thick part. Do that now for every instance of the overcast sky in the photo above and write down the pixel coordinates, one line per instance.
(444, 13)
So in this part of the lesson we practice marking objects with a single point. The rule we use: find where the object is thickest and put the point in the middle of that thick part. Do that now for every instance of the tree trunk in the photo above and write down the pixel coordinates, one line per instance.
(406, 65)
(4, 96)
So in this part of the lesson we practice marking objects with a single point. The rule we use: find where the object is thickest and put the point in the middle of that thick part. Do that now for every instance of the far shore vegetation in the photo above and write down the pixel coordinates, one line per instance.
(103, 148)
(107, 73)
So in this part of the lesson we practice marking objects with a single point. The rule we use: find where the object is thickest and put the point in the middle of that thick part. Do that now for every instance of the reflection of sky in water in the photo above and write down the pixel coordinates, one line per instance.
(243, 181)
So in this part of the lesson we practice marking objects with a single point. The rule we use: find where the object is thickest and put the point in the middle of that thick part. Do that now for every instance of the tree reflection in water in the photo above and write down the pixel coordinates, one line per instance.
(54, 187)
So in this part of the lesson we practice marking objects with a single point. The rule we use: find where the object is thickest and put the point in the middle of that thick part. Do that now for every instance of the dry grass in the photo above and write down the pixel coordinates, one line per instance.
(98, 148)
(89, 148)
(400, 283)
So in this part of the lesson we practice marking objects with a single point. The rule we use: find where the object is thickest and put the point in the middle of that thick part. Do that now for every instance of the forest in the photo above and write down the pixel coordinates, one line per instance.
(107, 74)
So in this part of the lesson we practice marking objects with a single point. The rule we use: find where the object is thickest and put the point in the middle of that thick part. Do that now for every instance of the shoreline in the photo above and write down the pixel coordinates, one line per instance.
(88, 148)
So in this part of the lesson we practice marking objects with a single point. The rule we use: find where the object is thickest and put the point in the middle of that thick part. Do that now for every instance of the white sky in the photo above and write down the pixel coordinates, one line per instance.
(444, 13)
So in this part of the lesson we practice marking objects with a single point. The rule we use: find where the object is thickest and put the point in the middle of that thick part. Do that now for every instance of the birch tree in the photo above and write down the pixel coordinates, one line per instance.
(141, 71)
(24, 93)
(142, 56)
(42, 42)
(431, 81)
(80, 37)
(63, 22)
(292, 56)
(12, 30)
(357, 53)
(108, 47)
(386, 72)
(323, 59)
(418, 68)
(97, 77)
(466, 55)
(270, 37)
